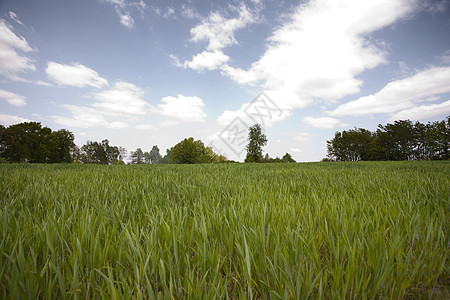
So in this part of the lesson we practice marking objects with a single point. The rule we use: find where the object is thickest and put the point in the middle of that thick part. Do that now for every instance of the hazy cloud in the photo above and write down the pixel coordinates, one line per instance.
(12, 62)
(323, 122)
(7, 120)
(400, 94)
(13, 99)
(85, 117)
(423, 112)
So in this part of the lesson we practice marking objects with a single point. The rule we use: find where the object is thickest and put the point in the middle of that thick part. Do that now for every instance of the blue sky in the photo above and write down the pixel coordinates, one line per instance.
(146, 72)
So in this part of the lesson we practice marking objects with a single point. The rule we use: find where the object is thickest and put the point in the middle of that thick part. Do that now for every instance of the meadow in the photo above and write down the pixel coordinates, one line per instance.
(367, 230)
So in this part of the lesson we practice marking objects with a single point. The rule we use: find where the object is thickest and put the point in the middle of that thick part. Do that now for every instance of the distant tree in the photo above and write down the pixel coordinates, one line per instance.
(167, 158)
(288, 158)
(401, 140)
(256, 140)
(350, 145)
(60, 145)
(137, 157)
(154, 156)
(30, 142)
(188, 151)
(93, 153)
(122, 153)
(99, 153)
(112, 152)
(398, 139)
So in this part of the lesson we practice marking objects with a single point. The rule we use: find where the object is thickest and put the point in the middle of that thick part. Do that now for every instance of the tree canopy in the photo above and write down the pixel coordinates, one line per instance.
(402, 140)
(256, 140)
(30, 142)
(189, 151)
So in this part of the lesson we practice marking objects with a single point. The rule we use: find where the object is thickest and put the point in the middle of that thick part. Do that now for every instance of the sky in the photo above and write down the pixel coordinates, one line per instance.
(153, 72)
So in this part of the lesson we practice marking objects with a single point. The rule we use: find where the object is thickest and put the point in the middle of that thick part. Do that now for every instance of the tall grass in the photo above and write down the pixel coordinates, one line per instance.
(287, 231)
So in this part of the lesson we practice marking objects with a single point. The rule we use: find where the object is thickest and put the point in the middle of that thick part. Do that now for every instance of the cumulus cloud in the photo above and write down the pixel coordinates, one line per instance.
(423, 112)
(13, 99)
(400, 94)
(74, 75)
(123, 98)
(262, 110)
(85, 117)
(7, 120)
(318, 53)
(323, 122)
(218, 31)
(12, 47)
(207, 60)
(183, 108)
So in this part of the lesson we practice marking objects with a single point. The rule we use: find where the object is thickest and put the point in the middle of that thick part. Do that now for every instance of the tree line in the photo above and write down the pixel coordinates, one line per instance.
(402, 140)
(33, 143)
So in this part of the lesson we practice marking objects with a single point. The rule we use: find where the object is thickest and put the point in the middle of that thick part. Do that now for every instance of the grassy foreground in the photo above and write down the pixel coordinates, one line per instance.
(263, 231)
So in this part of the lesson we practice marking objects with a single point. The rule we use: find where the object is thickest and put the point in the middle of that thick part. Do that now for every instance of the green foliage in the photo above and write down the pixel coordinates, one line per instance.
(367, 230)
(154, 156)
(30, 142)
(256, 140)
(402, 140)
(99, 153)
(137, 157)
(189, 151)
(288, 158)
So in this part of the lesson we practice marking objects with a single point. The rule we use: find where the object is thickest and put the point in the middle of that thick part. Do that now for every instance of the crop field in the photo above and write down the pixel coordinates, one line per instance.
(226, 231)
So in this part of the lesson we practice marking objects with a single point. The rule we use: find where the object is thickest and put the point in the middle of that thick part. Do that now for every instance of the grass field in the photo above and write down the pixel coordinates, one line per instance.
(262, 231)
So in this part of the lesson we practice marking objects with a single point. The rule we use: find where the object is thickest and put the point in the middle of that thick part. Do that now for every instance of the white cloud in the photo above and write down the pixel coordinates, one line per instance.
(183, 108)
(400, 94)
(322, 122)
(11, 62)
(9, 119)
(262, 110)
(145, 127)
(122, 101)
(295, 150)
(124, 9)
(189, 12)
(165, 14)
(445, 57)
(126, 20)
(319, 52)
(123, 98)
(302, 137)
(13, 99)
(75, 75)
(423, 112)
(14, 17)
(207, 60)
(43, 83)
(85, 117)
(218, 31)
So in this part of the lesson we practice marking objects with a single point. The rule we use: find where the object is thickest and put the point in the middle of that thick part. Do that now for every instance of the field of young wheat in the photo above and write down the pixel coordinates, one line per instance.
(226, 231)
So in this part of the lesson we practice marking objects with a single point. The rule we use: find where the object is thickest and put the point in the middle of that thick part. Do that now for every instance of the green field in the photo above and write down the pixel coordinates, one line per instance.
(225, 231)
